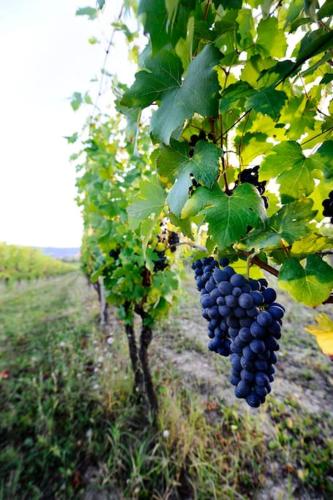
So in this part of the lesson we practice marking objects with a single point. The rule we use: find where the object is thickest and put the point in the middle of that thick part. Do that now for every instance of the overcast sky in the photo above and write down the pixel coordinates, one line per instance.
(45, 57)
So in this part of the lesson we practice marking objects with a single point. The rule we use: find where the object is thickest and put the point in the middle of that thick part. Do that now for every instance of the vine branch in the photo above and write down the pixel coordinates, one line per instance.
(190, 244)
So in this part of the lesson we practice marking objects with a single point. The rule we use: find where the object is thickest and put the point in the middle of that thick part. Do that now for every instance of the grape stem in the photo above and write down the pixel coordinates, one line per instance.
(263, 265)
(190, 244)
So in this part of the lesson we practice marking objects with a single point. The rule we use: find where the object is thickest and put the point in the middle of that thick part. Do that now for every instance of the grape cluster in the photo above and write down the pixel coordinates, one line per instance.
(114, 253)
(210, 300)
(194, 185)
(251, 176)
(202, 136)
(173, 240)
(244, 320)
(328, 206)
(166, 238)
(162, 262)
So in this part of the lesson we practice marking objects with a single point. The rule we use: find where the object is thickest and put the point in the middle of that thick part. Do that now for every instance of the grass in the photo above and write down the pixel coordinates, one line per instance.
(69, 426)
(305, 444)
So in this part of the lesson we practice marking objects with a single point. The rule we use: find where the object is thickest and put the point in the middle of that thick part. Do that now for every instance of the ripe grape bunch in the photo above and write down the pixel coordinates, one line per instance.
(251, 176)
(328, 207)
(166, 238)
(244, 321)
(161, 262)
(173, 241)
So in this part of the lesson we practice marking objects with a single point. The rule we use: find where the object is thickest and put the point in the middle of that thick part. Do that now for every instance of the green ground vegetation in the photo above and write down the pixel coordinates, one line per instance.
(70, 427)
(19, 263)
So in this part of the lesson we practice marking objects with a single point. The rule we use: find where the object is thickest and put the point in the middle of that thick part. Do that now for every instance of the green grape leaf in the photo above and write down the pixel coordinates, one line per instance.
(271, 38)
(299, 22)
(311, 243)
(297, 181)
(162, 73)
(288, 224)
(203, 167)
(76, 101)
(228, 4)
(90, 12)
(154, 20)
(71, 139)
(265, 125)
(172, 7)
(310, 285)
(184, 47)
(283, 156)
(234, 93)
(205, 163)
(310, 7)
(294, 10)
(180, 191)
(252, 145)
(253, 68)
(327, 78)
(267, 101)
(313, 43)
(245, 27)
(170, 158)
(325, 157)
(325, 10)
(229, 216)
(201, 198)
(149, 201)
(197, 94)
(276, 72)
(183, 224)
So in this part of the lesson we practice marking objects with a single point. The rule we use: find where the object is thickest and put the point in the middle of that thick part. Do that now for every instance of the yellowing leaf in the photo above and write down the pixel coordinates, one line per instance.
(240, 267)
(323, 331)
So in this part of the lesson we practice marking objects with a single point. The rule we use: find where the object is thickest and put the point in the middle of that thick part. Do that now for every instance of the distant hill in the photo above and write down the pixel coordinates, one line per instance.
(61, 253)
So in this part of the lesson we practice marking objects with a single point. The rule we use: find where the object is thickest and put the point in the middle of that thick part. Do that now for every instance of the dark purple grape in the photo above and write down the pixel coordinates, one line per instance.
(257, 346)
(220, 275)
(225, 288)
(247, 375)
(261, 379)
(269, 295)
(242, 390)
(224, 310)
(276, 312)
(206, 301)
(245, 301)
(224, 262)
(237, 291)
(258, 298)
(229, 270)
(264, 318)
(237, 280)
(257, 330)
(245, 334)
(231, 301)
(253, 400)
(220, 301)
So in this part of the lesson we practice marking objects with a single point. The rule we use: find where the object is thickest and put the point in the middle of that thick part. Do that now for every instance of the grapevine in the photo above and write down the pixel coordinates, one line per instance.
(224, 126)
(237, 161)
(328, 207)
